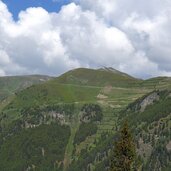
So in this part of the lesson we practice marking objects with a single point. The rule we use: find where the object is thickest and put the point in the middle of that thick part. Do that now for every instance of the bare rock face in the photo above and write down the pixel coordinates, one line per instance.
(168, 146)
(149, 100)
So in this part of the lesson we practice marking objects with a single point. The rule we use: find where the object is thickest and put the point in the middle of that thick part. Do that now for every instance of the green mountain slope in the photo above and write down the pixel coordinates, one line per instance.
(11, 84)
(150, 121)
(100, 77)
(40, 148)
(150, 118)
(84, 108)
(53, 92)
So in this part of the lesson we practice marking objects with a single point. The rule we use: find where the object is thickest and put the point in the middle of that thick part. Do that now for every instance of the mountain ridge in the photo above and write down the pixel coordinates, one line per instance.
(11, 84)
(86, 116)
(96, 77)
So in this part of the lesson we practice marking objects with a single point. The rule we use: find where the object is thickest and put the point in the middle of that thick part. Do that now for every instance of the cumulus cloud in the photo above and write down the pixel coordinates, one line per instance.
(129, 36)
(32, 44)
(89, 40)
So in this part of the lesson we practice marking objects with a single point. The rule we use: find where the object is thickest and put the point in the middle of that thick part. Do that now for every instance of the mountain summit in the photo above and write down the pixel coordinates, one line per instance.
(96, 77)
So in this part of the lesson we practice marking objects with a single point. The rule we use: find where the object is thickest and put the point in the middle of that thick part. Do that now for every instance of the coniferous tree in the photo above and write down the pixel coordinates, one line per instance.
(124, 153)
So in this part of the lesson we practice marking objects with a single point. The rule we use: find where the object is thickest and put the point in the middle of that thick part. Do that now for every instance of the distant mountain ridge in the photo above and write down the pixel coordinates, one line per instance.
(12, 84)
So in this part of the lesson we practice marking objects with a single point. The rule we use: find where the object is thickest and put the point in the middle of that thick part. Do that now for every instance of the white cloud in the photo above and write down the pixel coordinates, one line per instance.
(89, 40)
(130, 36)
(104, 9)
(157, 35)
(33, 43)
(4, 58)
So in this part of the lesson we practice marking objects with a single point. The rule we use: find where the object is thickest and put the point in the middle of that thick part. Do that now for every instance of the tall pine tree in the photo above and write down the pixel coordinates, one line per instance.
(124, 154)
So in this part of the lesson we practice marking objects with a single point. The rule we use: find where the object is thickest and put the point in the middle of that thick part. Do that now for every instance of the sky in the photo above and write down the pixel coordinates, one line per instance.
(15, 6)
(53, 36)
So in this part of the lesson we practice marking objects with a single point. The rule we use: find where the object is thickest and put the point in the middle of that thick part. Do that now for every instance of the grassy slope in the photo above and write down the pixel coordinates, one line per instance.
(54, 92)
(74, 125)
(158, 83)
(10, 85)
(83, 86)
(101, 77)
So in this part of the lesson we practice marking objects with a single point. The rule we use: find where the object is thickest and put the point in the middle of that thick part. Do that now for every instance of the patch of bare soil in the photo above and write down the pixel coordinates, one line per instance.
(107, 89)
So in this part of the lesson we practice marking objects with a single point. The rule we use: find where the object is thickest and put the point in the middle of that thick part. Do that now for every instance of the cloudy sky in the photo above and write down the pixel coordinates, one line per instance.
(53, 36)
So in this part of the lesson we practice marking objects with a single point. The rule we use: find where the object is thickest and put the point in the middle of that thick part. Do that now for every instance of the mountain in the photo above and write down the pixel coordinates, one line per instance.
(11, 84)
(150, 117)
(110, 69)
(159, 82)
(97, 77)
(69, 123)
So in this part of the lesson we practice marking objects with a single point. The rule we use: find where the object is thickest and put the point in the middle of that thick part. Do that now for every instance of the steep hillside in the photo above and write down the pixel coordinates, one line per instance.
(39, 148)
(88, 110)
(52, 92)
(150, 117)
(150, 121)
(85, 113)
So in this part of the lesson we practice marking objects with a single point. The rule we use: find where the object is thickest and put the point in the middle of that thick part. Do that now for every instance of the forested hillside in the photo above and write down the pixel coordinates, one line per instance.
(70, 123)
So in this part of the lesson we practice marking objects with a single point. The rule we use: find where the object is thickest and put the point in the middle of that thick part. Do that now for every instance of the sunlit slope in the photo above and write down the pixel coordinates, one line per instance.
(51, 93)
(56, 92)
(91, 104)
(158, 83)
(97, 77)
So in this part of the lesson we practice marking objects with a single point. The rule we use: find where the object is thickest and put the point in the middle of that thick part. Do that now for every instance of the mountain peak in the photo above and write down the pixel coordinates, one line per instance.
(115, 71)
(110, 69)
(96, 77)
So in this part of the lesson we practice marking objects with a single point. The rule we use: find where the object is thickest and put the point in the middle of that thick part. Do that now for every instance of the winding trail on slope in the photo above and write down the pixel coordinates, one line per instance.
(74, 126)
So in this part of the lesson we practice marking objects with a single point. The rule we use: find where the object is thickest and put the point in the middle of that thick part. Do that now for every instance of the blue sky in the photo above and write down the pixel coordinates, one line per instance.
(15, 6)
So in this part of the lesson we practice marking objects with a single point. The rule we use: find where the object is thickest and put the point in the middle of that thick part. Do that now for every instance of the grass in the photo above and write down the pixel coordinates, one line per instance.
(55, 93)
(80, 87)
(13, 84)
(74, 125)
(100, 77)
(52, 93)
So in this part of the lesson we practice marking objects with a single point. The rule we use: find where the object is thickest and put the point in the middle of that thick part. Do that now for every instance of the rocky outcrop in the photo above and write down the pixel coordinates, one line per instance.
(149, 100)
(168, 146)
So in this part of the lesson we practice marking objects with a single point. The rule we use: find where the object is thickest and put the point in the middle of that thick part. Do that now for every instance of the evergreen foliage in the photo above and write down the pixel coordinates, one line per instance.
(85, 130)
(124, 151)
(41, 148)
